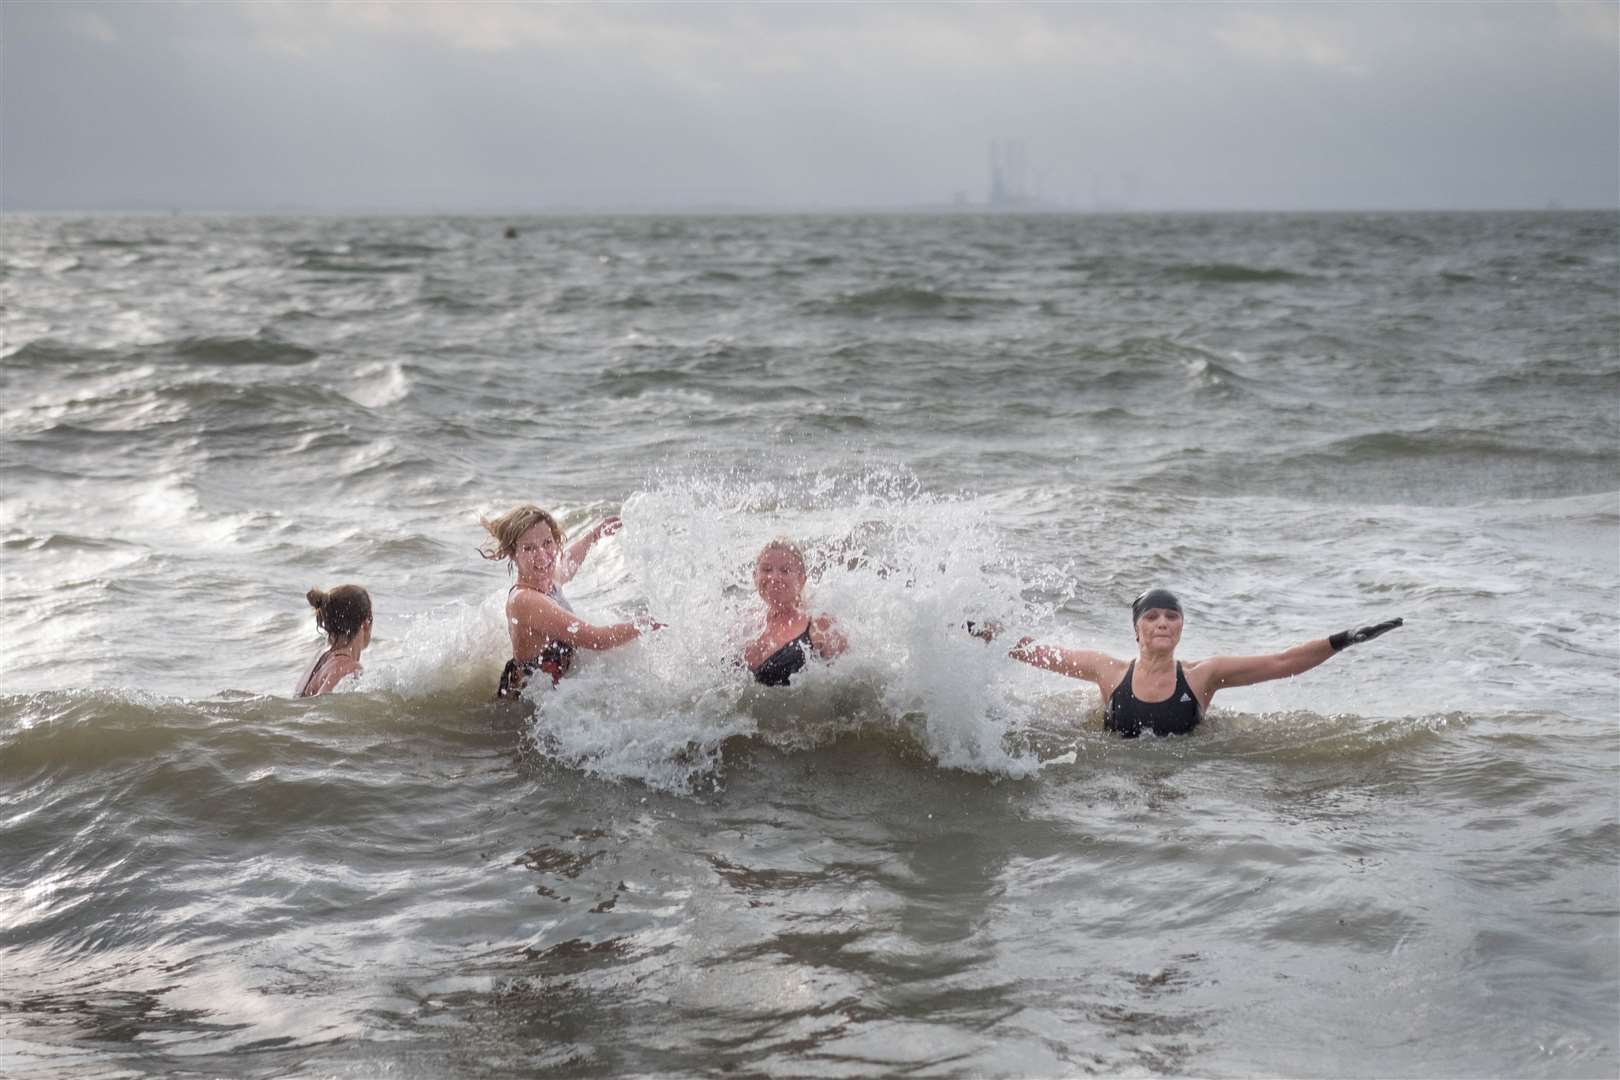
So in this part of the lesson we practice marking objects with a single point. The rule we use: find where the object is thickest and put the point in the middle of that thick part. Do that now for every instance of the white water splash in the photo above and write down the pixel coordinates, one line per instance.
(900, 569)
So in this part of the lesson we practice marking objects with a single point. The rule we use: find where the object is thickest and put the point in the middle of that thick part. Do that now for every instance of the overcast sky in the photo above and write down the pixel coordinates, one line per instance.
(510, 107)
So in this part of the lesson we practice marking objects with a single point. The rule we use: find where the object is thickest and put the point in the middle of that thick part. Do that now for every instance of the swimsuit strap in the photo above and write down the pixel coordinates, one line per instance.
(320, 662)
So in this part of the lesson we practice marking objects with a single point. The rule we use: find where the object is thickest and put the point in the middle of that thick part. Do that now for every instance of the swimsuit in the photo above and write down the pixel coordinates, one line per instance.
(779, 668)
(1127, 714)
(555, 659)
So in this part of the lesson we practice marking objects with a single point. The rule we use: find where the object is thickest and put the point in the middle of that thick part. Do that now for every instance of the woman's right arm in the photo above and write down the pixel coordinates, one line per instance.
(1085, 664)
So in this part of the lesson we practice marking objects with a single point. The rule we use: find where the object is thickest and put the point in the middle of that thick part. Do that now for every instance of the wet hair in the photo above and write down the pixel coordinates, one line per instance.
(1154, 598)
(506, 529)
(341, 612)
(782, 543)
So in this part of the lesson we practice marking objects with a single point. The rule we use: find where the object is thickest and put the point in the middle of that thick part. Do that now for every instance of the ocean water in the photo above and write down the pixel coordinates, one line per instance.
(923, 859)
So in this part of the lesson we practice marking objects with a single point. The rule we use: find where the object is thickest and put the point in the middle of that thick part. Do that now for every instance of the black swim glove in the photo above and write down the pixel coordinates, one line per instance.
(1366, 633)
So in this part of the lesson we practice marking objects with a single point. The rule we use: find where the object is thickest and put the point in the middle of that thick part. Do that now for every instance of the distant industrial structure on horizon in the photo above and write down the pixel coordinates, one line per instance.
(1017, 185)
(1009, 173)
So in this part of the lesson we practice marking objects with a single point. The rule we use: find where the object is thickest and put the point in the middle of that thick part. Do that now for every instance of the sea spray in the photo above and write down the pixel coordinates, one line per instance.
(900, 568)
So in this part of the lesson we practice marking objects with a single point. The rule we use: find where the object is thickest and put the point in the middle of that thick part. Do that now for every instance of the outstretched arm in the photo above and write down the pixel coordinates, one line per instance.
(1085, 664)
(1222, 671)
(546, 620)
(1075, 663)
(575, 557)
(596, 638)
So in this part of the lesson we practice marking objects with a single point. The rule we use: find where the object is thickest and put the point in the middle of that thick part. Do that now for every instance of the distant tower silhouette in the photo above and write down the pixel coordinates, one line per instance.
(1009, 166)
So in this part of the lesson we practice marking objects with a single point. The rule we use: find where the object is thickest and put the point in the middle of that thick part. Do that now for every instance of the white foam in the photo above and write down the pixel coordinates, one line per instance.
(899, 568)
(458, 646)
(380, 385)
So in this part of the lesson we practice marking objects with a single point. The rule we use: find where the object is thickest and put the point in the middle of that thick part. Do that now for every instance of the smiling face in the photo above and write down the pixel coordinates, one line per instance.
(1159, 629)
(779, 576)
(535, 552)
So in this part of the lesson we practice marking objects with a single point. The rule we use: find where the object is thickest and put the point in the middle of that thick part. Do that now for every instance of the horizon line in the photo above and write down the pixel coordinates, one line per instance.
(748, 209)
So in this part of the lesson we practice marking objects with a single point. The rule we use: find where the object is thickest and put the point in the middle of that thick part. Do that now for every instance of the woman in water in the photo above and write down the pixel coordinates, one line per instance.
(778, 653)
(1156, 691)
(345, 615)
(543, 627)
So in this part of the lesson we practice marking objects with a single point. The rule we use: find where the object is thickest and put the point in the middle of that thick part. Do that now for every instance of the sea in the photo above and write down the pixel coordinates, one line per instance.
(923, 859)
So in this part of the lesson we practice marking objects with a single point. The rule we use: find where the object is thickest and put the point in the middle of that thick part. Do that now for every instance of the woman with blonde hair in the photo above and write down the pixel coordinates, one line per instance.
(779, 652)
(345, 615)
(544, 630)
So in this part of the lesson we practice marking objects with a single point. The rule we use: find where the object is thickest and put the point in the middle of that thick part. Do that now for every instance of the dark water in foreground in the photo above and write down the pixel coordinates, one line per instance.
(924, 859)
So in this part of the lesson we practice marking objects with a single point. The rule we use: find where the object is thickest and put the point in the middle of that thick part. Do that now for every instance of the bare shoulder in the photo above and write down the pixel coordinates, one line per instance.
(340, 668)
(1109, 672)
(1204, 675)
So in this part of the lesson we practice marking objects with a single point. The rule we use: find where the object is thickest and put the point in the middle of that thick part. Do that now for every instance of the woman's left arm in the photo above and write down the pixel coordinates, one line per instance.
(1222, 671)
(582, 547)
(828, 639)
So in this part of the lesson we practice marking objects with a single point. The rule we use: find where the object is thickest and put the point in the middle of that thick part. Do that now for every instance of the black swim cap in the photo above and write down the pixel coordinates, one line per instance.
(1153, 598)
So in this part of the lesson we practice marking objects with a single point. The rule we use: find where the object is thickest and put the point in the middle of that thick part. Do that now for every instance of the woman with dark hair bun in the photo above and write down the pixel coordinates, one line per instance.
(345, 615)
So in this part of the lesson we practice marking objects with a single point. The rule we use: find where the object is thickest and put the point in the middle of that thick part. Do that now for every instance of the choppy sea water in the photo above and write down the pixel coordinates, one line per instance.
(923, 859)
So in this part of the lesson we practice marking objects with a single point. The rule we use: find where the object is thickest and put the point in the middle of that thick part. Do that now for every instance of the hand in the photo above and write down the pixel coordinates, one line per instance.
(984, 631)
(608, 526)
(1346, 638)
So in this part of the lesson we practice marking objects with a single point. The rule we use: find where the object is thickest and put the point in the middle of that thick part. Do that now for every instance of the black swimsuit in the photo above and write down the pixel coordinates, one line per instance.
(1127, 714)
(555, 659)
(779, 668)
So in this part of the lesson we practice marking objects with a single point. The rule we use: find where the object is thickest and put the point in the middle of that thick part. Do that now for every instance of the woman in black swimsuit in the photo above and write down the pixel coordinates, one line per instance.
(545, 631)
(345, 615)
(779, 652)
(1156, 692)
